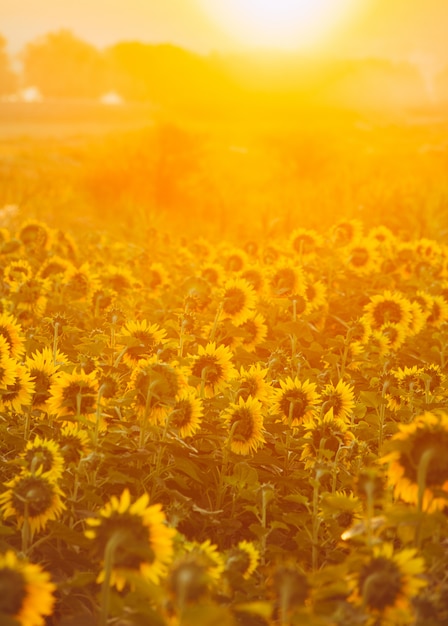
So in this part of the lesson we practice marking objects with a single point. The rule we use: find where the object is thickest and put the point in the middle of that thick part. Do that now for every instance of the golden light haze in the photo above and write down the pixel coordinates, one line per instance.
(398, 28)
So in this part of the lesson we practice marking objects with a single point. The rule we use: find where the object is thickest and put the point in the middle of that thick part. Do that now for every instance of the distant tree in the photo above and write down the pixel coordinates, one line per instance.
(8, 80)
(63, 66)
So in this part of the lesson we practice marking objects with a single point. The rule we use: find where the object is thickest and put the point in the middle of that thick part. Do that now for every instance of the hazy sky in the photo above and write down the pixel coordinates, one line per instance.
(399, 28)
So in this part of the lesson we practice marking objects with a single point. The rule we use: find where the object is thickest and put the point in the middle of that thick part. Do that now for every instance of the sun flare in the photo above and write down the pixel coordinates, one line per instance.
(287, 24)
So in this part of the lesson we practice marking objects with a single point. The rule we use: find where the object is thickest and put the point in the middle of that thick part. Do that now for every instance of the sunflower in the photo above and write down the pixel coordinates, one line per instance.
(255, 276)
(55, 268)
(383, 236)
(386, 583)
(238, 300)
(156, 386)
(295, 401)
(378, 344)
(12, 332)
(234, 260)
(31, 296)
(438, 314)
(34, 235)
(388, 307)
(213, 273)
(73, 393)
(345, 231)
(360, 330)
(213, 365)
(305, 243)
(287, 281)
(80, 283)
(340, 398)
(35, 496)
(17, 272)
(194, 572)
(315, 294)
(255, 332)
(395, 335)
(325, 436)
(156, 278)
(433, 377)
(44, 455)
(8, 367)
(245, 421)
(419, 449)
(63, 245)
(361, 257)
(252, 383)
(207, 553)
(120, 279)
(146, 545)
(27, 593)
(42, 370)
(186, 414)
(243, 559)
(142, 340)
(18, 394)
(418, 319)
(74, 442)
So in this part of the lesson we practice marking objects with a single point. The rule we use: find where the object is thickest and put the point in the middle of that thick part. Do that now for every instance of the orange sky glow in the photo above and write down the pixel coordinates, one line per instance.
(393, 28)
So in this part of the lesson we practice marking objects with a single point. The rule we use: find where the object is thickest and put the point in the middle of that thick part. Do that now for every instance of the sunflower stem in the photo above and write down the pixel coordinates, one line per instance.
(26, 433)
(109, 556)
(316, 521)
(55, 341)
(215, 322)
(288, 437)
(422, 473)
(225, 461)
(98, 414)
(26, 528)
(347, 341)
(112, 337)
(381, 415)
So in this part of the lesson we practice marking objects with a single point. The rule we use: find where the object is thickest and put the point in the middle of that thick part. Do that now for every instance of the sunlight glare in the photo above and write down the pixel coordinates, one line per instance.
(283, 24)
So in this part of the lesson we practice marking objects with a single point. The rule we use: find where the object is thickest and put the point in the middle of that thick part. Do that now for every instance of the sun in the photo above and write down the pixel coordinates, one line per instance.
(280, 24)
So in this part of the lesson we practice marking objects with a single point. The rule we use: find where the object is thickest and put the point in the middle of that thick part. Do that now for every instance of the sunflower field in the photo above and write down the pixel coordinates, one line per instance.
(248, 431)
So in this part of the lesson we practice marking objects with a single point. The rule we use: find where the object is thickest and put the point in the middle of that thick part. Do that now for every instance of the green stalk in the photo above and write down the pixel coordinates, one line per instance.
(109, 556)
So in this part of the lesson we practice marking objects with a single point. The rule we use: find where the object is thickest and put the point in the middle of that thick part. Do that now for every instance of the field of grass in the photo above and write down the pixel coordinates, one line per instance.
(223, 369)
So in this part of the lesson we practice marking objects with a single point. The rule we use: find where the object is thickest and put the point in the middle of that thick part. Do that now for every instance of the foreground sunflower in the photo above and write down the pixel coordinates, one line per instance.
(146, 545)
(142, 340)
(213, 366)
(255, 332)
(26, 591)
(42, 370)
(386, 583)
(295, 401)
(325, 437)
(155, 385)
(245, 421)
(252, 382)
(11, 330)
(340, 398)
(19, 393)
(32, 496)
(418, 453)
(73, 393)
(238, 300)
(186, 414)
(388, 307)
(44, 455)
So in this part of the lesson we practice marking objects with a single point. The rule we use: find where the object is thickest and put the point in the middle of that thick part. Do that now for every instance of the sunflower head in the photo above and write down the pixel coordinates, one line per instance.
(417, 461)
(242, 560)
(387, 581)
(186, 414)
(27, 593)
(35, 497)
(295, 401)
(245, 421)
(144, 541)
(44, 455)
(213, 367)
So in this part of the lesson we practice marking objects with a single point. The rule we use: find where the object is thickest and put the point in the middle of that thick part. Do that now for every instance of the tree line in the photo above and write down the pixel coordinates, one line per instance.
(61, 65)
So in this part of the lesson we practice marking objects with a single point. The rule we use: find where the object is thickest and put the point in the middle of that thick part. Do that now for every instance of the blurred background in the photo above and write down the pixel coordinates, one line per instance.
(243, 118)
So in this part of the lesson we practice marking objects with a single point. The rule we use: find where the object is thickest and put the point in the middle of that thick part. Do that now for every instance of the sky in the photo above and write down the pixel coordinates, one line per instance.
(400, 29)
